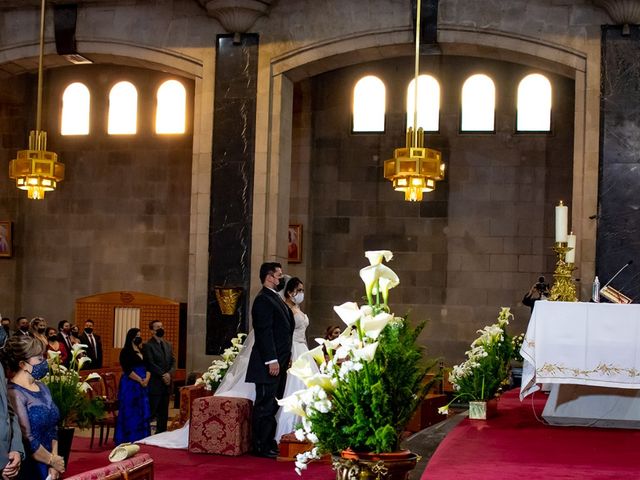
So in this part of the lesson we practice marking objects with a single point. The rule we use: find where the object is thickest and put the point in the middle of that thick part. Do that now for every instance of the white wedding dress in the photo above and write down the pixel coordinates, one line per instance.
(234, 385)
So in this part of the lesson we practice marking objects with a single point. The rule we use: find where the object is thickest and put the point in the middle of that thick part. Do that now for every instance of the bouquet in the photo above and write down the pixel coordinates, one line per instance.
(70, 393)
(486, 369)
(370, 378)
(219, 367)
(517, 342)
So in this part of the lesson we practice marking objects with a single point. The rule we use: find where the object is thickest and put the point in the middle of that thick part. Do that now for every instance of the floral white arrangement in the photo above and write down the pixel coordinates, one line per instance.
(369, 379)
(486, 369)
(219, 367)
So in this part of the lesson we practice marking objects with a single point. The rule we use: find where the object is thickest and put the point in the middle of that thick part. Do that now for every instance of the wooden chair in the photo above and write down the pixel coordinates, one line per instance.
(99, 389)
(111, 402)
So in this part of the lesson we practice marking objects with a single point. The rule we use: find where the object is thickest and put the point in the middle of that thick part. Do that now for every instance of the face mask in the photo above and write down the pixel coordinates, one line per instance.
(88, 330)
(25, 328)
(281, 284)
(74, 333)
(53, 338)
(40, 370)
(160, 332)
(41, 330)
(137, 341)
(298, 298)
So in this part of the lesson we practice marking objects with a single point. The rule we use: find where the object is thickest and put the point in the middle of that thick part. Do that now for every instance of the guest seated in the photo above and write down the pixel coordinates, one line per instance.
(37, 414)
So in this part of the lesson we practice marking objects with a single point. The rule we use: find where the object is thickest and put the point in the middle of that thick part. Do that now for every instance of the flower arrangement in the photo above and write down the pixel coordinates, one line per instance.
(486, 369)
(70, 392)
(517, 342)
(219, 367)
(371, 380)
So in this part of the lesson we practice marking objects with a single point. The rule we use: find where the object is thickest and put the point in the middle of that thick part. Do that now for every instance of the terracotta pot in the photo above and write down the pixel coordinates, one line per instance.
(378, 466)
(483, 410)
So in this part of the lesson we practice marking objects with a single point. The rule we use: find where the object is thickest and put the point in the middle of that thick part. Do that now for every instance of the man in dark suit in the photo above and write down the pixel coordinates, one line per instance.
(273, 324)
(93, 343)
(22, 327)
(160, 362)
(64, 337)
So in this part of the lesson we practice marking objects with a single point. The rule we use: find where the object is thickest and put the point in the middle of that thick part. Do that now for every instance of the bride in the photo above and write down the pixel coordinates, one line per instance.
(234, 385)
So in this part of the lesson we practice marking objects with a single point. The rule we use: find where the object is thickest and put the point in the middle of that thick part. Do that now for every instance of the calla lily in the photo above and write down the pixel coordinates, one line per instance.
(378, 277)
(372, 326)
(292, 404)
(320, 379)
(301, 368)
(366, 353)
(375, 256)
(348, 312)
(79, 346)
(318, 353)
(92, 376)
(85, 387)
(82, 361)
(53, 354)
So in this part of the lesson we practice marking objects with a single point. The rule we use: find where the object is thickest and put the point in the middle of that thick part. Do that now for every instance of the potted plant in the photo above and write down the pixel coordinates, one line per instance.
(70, 393)
(370, 382)
(479, 379)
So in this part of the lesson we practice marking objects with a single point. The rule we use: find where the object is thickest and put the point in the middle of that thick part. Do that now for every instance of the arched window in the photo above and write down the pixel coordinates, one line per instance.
(171, 107)
(368, 105)
(478, 104)
(75, 110)
(123, 109)
(534, 104)
(428, 103)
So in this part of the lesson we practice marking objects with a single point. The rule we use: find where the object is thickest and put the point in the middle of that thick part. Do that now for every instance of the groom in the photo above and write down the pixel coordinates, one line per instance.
(273, 325)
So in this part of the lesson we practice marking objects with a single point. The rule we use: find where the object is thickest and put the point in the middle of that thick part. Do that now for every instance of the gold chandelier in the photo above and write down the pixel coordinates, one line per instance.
(415, 169)
(36, 170)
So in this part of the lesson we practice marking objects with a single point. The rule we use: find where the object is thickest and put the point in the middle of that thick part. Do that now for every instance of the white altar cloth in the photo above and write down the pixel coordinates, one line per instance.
(588, 346)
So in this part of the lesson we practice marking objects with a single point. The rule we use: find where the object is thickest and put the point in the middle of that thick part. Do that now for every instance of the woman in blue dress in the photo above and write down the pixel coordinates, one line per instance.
(133, 412)
(37, 414)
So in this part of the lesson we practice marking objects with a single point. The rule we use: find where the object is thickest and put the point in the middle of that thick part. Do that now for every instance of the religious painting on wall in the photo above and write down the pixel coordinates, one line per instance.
(295, 244)
(6, 244)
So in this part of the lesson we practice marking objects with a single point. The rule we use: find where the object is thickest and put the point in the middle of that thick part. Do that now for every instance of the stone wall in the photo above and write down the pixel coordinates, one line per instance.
(477, 243)
(120, 219)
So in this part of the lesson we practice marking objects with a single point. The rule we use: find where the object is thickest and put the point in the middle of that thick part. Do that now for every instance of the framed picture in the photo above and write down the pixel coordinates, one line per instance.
(295, 244)
(6, 242)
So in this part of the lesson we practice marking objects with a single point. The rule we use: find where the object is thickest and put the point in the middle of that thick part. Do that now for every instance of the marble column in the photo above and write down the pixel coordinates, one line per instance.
(618, 239)
(231, 184)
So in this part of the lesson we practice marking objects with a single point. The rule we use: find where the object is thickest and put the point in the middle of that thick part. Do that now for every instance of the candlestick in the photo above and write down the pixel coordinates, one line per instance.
(562, 220)
(570, 257)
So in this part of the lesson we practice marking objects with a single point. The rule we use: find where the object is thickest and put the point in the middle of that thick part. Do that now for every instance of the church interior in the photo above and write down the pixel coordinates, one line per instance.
(261, 157)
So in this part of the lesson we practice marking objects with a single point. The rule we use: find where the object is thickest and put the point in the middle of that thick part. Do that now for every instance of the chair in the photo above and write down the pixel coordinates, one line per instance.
(110, 404)
(99, 389)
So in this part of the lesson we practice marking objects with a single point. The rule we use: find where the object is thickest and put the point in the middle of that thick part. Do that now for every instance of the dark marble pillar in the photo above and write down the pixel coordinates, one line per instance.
(231, 184)
(618, 239)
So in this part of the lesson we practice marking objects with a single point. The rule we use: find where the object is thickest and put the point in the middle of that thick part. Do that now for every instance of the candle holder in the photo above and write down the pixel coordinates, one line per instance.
(564, 288)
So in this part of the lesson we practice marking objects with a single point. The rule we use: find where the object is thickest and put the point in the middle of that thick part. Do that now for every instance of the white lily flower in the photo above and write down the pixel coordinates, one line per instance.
(366, 353)
(301, 368)
(92, 376)
(375, 256)
(85, 387)
(372, 326)
(53, 354)
(381, 275)
(78, 346)
(82, 361)
(292, 403)
(348, 312)
(324, 381)
(318, 353)
(444, 410)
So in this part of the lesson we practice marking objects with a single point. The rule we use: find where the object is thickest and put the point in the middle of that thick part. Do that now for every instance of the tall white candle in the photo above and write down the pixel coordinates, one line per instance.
(562, 218)
(570, 256)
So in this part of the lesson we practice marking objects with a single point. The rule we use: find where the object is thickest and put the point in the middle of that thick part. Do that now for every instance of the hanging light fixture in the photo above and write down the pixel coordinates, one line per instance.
(414, 169)
(36, 170)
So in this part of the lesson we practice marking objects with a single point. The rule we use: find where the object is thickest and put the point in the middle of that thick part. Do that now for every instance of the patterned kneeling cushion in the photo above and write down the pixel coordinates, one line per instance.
(220, 425)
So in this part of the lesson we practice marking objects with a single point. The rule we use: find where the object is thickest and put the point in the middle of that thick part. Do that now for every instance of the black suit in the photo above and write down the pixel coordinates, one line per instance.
(158, 357)
(94, 355)
(273, 324)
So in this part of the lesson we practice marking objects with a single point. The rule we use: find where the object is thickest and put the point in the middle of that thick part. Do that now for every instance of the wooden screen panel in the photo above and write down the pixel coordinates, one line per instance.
(101, 309)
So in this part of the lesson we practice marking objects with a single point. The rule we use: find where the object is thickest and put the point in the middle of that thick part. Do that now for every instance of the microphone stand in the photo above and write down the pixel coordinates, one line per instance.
(564, 288)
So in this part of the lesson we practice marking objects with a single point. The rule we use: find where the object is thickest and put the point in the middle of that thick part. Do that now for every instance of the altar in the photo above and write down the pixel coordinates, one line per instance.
(590, 355)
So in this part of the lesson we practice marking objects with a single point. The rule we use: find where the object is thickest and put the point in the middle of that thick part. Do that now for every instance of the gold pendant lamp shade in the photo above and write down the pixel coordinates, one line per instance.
(415, 169)
(36, 170)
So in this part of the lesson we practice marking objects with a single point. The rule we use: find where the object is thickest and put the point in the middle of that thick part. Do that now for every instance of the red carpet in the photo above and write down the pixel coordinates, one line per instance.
(514, 444)
(180, 464)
